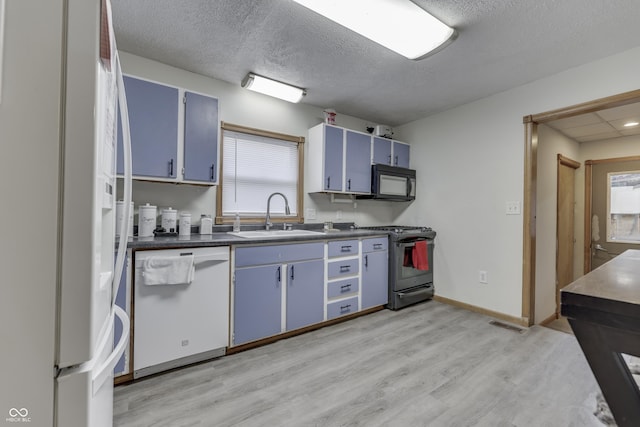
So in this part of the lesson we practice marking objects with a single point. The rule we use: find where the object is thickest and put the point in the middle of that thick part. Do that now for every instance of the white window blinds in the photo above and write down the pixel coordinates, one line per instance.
(255, 167)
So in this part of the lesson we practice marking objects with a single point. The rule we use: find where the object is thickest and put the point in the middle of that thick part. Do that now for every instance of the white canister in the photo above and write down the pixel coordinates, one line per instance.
(120, 217)
(146, 220)
(170, 220)
(206, 224)
(185, 224)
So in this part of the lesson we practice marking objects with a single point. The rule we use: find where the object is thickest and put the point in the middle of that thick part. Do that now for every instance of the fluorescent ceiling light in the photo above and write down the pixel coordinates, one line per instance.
(399, 25)
(273, 88)
(631, 124)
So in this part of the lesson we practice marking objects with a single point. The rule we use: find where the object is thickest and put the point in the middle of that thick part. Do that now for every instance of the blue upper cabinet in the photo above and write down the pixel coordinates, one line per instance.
(400, 154)
(382, 150)
(389, 152)
(333, 162)
(200, 138)
(153, 120)
(338, 160)
(358, 163)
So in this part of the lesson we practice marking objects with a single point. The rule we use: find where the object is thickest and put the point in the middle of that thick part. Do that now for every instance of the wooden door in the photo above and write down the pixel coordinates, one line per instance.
(564, 224)
(610, 232)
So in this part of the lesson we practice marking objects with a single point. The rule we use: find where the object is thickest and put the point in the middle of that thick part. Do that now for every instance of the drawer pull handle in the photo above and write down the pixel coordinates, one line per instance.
(186, 253)
(366, 260)
(346, 248)
(344, 268)
(345, 288)
(292, 273)
(377, 246)
(344, 308)
(279, 274)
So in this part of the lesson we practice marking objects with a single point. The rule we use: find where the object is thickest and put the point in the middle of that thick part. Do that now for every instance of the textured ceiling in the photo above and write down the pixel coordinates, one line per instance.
(501, 44)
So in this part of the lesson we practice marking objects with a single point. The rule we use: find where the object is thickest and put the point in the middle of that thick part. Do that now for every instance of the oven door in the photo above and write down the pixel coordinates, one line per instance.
(410, 269)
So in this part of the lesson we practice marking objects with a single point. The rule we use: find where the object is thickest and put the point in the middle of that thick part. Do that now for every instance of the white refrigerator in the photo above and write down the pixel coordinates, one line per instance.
(58, 97)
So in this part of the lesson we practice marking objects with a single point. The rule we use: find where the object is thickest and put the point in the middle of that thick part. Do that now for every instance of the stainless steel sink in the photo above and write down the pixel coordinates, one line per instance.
(261, 234)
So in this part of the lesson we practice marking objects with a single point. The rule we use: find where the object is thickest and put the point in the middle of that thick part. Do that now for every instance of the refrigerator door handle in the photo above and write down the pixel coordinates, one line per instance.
(104, 372)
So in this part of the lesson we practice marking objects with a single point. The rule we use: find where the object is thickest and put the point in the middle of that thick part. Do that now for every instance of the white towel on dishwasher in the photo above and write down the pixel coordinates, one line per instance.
(168, 270)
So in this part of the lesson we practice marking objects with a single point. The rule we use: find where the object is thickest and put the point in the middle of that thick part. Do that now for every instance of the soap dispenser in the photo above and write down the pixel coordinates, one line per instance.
(236, 223)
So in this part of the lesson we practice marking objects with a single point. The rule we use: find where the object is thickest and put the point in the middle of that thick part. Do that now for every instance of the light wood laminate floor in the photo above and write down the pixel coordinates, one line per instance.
(427, 365)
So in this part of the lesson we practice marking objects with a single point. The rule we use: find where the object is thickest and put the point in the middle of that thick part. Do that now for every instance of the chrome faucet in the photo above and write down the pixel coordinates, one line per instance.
(287, 211)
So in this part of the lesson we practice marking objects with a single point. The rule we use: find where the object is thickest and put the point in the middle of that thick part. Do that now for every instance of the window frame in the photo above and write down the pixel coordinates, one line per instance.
(609, 220)
(299, 140)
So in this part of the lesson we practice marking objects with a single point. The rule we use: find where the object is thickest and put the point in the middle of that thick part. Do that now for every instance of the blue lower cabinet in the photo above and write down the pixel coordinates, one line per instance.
(342, 307)
(305, 289)
(257, 303)
(375, 282)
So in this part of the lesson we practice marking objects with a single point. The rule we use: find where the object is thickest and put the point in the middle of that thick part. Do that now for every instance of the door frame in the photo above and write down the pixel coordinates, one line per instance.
(531, 123)
(570, 163)
(588, 174)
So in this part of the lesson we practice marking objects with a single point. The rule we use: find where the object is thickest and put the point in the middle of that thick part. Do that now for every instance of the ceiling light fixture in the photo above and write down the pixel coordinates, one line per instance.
(273, 88)
(399, 25)
(631, 124)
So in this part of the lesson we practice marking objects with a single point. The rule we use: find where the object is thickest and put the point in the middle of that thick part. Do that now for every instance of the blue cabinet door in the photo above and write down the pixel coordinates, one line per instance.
(358, 163)
(257, 303)
(200, 138)
(305, 293)
(153, 119)
(375, 267)
(381, 150)
(333, 158)
(400, 154)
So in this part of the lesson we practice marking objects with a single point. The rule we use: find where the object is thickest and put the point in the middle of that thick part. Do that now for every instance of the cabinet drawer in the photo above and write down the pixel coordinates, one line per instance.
(345, 267)
(342, 287)
(343, 248)
(340, 308)
(375, 244)
(272, 254)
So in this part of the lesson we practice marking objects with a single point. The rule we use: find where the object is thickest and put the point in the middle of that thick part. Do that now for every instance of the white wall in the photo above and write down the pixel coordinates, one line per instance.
(243, 107)
(550, 144)
(470, 161)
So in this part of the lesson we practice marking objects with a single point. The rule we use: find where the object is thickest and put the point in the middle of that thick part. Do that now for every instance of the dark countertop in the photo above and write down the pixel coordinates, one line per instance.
(613, 287)
(603, 309)
(223, 238)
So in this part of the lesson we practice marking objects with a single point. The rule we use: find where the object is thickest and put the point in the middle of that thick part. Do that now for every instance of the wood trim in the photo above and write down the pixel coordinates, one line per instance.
(521, 321)
(565, 161)
(613, 160)
(529, 223)
(588, 184)
(587, 107)
(269, 340)
(550, 319)
(261, 132)
(300, 140)
(587, 216)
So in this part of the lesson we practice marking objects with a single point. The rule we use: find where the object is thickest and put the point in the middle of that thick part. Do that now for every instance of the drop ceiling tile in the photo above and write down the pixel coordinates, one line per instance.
(631, 131)
(622, 112)
(598, 137)
(598, 128)
(577, 121)
(619, 124)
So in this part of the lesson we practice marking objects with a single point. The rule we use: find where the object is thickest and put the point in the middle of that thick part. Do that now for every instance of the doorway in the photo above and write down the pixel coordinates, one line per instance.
(530, 181)
(612, 220)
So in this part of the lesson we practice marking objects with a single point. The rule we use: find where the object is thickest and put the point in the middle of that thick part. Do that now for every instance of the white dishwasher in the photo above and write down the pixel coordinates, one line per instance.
(179, 324)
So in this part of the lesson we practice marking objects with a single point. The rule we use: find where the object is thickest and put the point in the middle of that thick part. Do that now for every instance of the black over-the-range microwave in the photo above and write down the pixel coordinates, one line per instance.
(392, 183)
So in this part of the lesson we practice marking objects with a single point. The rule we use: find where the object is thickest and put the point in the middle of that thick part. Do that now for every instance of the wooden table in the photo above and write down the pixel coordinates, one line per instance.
(603, 308)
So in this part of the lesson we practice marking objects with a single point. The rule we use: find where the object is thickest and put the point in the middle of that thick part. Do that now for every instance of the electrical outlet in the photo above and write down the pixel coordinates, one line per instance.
(513, 208)
(482, 276)
(311, 214)
(338, 214)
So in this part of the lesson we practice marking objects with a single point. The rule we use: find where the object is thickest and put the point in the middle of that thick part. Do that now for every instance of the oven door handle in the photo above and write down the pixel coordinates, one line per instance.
(419, 292)
(410, 241)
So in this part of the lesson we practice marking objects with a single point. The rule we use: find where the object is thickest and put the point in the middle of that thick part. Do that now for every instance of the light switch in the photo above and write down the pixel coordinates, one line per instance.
(513, 208)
